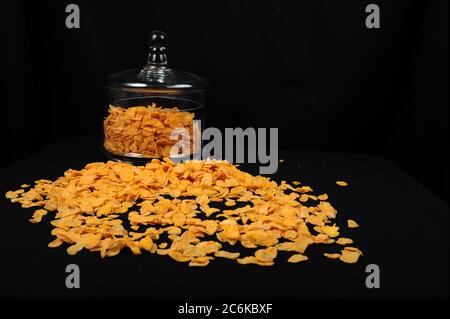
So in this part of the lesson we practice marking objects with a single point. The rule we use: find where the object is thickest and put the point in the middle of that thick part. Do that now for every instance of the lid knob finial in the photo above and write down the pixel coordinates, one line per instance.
(157, 46)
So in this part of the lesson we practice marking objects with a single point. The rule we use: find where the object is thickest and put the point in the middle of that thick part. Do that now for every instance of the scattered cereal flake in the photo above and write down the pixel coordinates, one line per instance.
(37, 216)
(210, 226)
(297, 258)
(344, 241)
(320, 238)
(174, 230)
(304, 198)
(163, 251)
(266, 255)
(349, 256)
(342, 183)
(230, 202)
(126, 175)
(353, 249)
(55, 243)
(179, 219)
(134, 247)
(330, 231)
(252, 260)
(75, 248)
(332, 256)
(352, 224)
(176, 255)
(14, 194)
(147, 243)
(200, 262)
(226, 254)
(305, 189)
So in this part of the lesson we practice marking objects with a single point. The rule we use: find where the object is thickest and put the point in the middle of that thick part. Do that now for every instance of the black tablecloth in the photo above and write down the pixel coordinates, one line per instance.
(403, 230)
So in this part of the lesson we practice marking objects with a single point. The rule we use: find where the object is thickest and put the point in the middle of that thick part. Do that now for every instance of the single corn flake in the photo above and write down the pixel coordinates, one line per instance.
(354, 249)
(266, 255)
(37, 216)
(55, 243)
(297, 258)
(330, 231)
(147, 243)
(332, 256)
(342, 183)
(344, 241)
(200, 262)
(349, 257)
(352, 224)
(253, 260)
(226, 254)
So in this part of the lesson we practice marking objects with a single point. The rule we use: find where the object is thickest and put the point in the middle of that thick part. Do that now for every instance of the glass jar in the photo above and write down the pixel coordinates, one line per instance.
(154, 112)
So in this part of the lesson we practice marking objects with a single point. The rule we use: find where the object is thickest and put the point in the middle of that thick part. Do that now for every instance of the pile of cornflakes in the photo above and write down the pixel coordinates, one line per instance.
(108, 207)
(145, 130)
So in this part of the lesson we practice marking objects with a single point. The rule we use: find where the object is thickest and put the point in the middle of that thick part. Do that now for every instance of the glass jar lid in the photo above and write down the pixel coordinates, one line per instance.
(156, 73)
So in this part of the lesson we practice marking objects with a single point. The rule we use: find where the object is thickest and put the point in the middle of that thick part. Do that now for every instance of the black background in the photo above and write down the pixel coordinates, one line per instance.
(311, 68)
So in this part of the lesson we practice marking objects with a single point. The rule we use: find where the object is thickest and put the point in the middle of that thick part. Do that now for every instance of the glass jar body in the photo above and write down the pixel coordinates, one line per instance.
(141, 124)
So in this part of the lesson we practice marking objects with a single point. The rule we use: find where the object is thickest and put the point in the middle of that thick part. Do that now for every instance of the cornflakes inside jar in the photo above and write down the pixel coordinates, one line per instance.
(154, 112)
